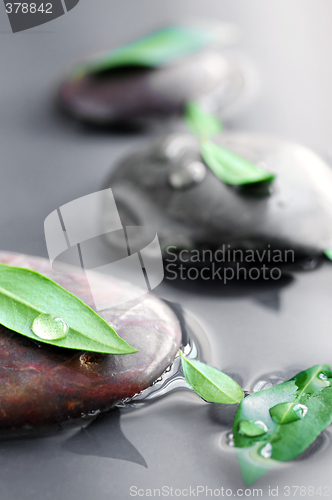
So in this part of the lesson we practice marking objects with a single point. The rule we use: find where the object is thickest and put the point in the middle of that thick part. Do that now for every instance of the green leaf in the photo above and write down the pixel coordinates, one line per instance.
(201, 123)
(294, 413)
(231, 168)
(27, 298)
(210, 383)
(252, 428)
(328, 253)
(156, 49)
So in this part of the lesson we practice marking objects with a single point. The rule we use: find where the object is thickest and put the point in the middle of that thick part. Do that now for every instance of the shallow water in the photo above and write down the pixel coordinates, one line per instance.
(175, 439)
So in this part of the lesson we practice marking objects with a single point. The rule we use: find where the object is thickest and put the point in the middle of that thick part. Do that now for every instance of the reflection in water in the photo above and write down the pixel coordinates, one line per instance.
(322, 442)
(104, 438)
(194, 345)
(265, 293)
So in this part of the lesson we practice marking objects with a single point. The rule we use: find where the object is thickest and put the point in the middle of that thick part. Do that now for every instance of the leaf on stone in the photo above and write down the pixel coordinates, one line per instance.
(295, 413)
(210, 383)
(201, 123)
(28, 298)
(153, 50)
(231, 168)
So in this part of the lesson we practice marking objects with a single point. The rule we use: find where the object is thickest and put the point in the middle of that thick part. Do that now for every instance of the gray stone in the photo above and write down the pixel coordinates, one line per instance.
(295, 212)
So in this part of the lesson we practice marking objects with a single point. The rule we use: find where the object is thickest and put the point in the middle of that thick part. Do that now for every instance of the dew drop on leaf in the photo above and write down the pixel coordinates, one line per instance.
(301, 410)
(266, 451)
(49, 327)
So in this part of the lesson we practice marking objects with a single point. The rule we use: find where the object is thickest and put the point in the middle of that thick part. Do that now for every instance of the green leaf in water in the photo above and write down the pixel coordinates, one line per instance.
(231, 168)
(328, 253)
(294, 413)
(210, 383)
(201, 123)
(155, 49)
(36, 307)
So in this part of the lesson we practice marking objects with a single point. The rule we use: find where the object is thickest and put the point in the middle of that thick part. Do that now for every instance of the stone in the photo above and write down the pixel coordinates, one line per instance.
(42, 384)
(294, 213)
(135, 94)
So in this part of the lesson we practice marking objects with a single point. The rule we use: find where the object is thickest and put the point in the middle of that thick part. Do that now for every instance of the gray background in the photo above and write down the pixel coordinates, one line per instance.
(47, 160)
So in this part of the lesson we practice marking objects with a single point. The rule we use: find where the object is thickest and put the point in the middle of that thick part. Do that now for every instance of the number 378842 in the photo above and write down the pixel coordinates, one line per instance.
(26, 8)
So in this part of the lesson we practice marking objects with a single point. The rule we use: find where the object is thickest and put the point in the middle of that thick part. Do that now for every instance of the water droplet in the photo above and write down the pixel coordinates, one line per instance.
(266, 451)
(270, 381)
(185, 175)
(230, 439)
(174, 146)
(252, 428)
(301, 410)
(261, 385)
(285, 413)
(49, 327)
(322, 376)
(227, 441)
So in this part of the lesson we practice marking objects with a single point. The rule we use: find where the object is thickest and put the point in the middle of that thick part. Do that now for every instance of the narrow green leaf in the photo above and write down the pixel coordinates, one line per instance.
(231, 168)
(328, 253)
(155, 49)
(210, 383)
(201, 123)
(294, 413)
(29, 299)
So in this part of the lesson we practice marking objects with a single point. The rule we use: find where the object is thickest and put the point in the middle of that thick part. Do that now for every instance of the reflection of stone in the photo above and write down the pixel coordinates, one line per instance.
(42, 384)
(208, 214)
(104, 438)
(271, 300)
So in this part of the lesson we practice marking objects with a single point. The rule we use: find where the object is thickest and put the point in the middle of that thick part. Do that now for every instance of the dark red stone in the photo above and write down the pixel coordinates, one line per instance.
(129, 94)
(42, 384)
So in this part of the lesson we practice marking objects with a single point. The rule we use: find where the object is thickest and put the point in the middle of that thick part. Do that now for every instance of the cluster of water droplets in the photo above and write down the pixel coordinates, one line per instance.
(283, 413)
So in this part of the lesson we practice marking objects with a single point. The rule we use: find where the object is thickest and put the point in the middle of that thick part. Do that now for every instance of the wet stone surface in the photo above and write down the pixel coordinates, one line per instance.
(164, 185)
(43, 385)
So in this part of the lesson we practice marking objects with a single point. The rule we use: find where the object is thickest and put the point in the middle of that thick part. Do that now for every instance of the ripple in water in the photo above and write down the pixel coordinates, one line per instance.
(194, 345)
